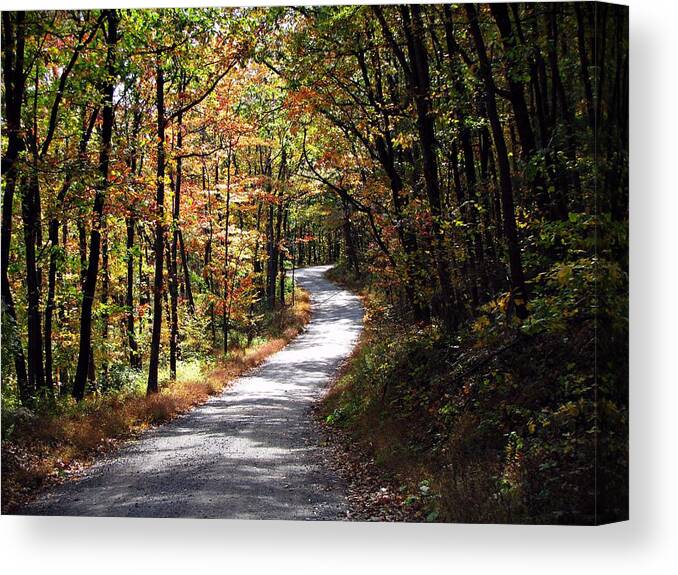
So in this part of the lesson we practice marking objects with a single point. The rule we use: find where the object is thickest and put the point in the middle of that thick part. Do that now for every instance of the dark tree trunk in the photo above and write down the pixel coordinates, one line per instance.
(39, 152)
(471, 182)
(227, 295)
(31, 218)
(488, 201)
(519, 292)
(187, 274)
(528, 143)
(272, 266)
(272, 261)
(517, 94)
(584, 62)
(173, 271)
(154, 360)
(13, 40)
(136, 167)
(144, 288)
(85, 351)
(30, 212)
(349, 241)
(407, 238)
(421, 87)
(274, 230)
(282, 261)
(470, 212)
(56, 254)
(82, 251)
(105, 288)
(134, 357)
(600, 18)
(465, 218)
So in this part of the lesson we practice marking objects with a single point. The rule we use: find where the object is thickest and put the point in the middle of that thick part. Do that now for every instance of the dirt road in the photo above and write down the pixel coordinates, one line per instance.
(252, 452)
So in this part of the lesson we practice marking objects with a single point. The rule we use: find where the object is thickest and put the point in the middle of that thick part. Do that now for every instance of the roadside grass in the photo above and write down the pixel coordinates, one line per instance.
(60, 437)
(356, 403)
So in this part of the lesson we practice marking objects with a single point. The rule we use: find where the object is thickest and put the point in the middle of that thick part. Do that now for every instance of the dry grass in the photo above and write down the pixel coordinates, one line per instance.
(45, 449)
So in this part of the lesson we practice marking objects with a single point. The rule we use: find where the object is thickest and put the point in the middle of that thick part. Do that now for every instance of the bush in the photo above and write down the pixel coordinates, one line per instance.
(504, 419)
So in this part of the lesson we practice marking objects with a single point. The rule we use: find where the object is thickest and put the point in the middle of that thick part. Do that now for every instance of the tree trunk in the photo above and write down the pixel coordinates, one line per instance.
(56, 253)
(226, 310)
(349, 243)
(469, 212)
(187, 274)
(519, 292)
(421, 87)
(84, 353)
(467, 269)
(274, 224)
(134, 357)
(272, 262)
(173, 271)
(105, 286)
(584, 63)
(282, 261)
(13, 40)
(154, 360)
(30, 212)
(528, 143)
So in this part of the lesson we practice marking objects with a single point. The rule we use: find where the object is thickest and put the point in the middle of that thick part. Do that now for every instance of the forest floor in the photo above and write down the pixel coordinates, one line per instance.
(254, 451)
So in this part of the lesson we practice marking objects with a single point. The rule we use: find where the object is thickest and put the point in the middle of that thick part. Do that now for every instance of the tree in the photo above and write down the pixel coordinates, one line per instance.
(390, 140)
(13, 28)
(508, 210)
(107, 90)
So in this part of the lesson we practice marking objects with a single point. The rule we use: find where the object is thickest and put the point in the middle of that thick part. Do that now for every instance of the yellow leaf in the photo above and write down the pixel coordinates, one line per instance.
(564, 274)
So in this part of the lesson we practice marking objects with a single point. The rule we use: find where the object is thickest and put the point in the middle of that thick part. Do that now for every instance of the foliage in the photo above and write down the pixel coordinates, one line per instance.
(166, 171)
(505, 431)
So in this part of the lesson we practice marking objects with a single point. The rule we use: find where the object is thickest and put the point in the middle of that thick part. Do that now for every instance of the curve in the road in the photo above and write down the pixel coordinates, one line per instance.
(252, 452)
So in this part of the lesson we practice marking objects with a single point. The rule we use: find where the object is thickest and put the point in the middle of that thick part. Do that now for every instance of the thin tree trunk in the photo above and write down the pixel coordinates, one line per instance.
(274, 220)
(173, 271)
(469, 213)
(134, 357)
(82, 251)
(154, 360)
(282, 262)
(56, 254)
(468, 273)
(105, 285)
(85, 351)
(414, 31)
(519, 292)
(528, 143)
(31, 220)
(226, 312)
(584, 63)
(187, 274)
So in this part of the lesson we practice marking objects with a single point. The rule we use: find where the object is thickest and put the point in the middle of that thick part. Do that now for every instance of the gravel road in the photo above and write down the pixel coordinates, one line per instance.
(252, 452)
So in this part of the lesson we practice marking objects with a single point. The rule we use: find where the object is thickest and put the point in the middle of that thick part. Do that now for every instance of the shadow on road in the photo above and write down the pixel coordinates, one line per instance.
(251, 452)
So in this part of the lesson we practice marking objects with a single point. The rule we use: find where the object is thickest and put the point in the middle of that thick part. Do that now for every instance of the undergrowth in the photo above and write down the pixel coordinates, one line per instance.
(505, 421)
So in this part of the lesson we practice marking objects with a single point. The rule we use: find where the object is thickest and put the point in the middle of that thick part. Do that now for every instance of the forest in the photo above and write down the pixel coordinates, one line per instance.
(464, 168)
